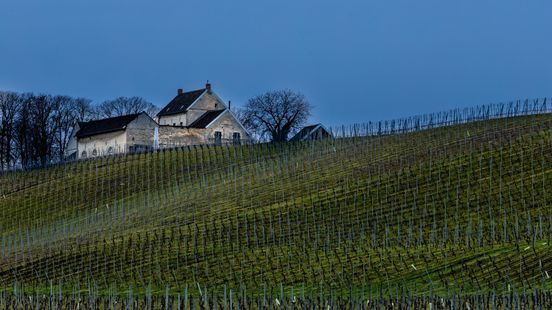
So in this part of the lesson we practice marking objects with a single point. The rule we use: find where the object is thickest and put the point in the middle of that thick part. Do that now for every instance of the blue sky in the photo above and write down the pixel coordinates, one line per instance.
(356, 61)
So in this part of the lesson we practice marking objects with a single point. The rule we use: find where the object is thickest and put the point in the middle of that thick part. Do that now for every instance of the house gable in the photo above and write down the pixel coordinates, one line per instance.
(229, 117)
(227, 124)
(187, 107)
(181, 102)
(71, 150)
(141, 131)
(208, 101)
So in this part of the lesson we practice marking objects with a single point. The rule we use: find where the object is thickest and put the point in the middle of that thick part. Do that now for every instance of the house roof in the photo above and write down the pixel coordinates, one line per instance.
(181, 102)
(306, 131)
(105, 125)
(206, 119)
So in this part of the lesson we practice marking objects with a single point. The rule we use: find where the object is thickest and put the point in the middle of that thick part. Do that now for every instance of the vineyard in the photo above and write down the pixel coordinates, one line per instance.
(449, 209)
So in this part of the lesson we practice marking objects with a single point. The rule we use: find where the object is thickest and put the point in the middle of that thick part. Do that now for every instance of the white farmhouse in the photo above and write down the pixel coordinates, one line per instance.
(199, 117)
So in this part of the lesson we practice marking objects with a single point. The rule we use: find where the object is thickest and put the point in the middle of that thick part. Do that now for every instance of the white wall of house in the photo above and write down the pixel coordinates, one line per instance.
(141, 131)
(174, 120)
(103, 144)
(226, 124)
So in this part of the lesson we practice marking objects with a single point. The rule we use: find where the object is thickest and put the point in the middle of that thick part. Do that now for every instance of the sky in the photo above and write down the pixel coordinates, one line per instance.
(355, 61)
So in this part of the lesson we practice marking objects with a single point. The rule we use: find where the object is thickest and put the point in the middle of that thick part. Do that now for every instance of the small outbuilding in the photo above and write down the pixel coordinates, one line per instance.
(114, 135)
(312, 132)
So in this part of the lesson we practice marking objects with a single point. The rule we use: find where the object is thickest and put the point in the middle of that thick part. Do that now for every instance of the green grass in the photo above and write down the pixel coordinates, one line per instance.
(463, 208)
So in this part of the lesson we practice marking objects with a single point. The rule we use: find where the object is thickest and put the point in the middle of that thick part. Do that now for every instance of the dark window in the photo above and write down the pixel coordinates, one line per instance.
(218, 137)
(83, 154)
(94, 152)
(236, 138)
(174, 124)
(181, 123)
(110, 150)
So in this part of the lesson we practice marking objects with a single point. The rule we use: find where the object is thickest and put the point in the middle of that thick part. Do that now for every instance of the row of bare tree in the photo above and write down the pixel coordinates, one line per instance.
(35, 128)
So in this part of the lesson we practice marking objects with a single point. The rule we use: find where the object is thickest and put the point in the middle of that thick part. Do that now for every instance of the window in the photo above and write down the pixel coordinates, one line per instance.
(94, 152)
(83, 154)
(218, 137)
(110, 150)
(174, 124)
(236, 138)
(181, 124)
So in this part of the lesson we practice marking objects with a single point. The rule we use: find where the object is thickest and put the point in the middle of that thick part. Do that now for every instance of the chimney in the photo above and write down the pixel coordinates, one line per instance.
(208, 87)
(179, 91)
(229, 105)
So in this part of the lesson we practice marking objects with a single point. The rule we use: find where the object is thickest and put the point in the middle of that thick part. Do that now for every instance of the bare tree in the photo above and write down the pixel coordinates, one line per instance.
(83, 109)
(9, 107)
(43, 111)
(36, 129)
(125, 105)
(23, 135)
(68, 111)
(275, 114)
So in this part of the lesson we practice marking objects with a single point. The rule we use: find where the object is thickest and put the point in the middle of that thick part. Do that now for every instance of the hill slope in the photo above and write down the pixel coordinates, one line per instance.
(459, 209)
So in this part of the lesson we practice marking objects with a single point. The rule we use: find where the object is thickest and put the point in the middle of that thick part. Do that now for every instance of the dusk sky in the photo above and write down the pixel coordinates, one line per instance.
(356, 61)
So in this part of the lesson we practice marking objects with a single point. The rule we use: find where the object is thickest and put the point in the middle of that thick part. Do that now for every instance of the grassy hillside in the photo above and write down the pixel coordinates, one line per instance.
(463, 209)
